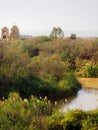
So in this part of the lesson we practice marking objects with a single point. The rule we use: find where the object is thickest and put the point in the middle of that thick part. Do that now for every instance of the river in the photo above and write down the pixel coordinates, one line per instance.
(86, 99)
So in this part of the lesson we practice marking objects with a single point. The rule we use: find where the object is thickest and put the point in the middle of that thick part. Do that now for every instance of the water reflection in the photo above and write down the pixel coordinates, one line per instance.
(86, 99)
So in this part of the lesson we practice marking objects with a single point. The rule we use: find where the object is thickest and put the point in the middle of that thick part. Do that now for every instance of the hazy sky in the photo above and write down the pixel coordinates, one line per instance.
(35, 16)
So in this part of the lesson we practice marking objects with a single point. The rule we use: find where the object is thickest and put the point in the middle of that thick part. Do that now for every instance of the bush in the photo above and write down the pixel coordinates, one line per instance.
(74, 120)
(91, 121)
(46, 38)
(91, 70)
(41, 114)
(69, 85)
(19, 114)
(27, 85)
(55, 122)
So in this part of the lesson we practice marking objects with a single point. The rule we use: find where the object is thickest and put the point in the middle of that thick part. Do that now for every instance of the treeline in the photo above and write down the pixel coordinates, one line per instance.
(42, 65)
(40, 71)
(37, 67)
(41, 114)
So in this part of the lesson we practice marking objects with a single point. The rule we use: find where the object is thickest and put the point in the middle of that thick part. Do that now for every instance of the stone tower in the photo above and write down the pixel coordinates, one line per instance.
(14, 33)
(5, 34)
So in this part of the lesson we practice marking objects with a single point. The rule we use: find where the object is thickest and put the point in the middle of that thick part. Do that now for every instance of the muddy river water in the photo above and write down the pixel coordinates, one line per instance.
(86, 99)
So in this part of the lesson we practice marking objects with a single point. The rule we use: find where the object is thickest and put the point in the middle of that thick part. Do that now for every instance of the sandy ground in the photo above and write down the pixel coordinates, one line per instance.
(89, 82)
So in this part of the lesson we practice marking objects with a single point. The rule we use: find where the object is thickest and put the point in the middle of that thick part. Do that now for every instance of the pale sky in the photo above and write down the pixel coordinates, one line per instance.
(40, 16)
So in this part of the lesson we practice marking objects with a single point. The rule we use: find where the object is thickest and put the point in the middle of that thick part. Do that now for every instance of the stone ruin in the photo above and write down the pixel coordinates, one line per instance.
(13, 35)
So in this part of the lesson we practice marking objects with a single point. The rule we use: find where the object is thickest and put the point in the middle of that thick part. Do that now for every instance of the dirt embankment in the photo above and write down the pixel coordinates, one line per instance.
(88, 82)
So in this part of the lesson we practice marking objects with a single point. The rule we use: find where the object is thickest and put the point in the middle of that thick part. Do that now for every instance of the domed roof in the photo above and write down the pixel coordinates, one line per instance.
(14, 27)
(4, 28)
(14, 33)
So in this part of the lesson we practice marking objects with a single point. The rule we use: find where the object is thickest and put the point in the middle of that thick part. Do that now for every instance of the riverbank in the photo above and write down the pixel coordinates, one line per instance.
(88, 82)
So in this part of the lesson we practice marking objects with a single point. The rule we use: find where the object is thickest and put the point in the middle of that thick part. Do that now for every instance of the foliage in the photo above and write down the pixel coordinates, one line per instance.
(74, 120)
(19, 114)
(57, 32)
(34, 66)
(73, 36)
(69, 85)
(55, 121)
(41, 114)
(91, 70)
(45, 38)
(27, 85)
(91, 121)
(45, 66)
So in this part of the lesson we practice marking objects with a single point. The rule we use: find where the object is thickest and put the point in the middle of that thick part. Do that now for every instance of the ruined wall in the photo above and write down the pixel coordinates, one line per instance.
(14, 33)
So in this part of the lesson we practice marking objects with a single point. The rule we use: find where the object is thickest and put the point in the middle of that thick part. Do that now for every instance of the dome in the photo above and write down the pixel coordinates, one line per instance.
(14, 33)
(14, 28)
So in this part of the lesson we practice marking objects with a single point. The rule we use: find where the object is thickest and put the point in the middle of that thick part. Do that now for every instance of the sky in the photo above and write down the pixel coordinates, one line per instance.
(38, 17)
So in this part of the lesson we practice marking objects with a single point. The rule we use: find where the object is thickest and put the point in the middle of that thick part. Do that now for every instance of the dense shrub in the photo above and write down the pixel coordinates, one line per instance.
(74, 120)
(91, 70)
(41, 114)
(48, 61)
(91, 121)
(27, 85)
(46, 38)
(43, 66)
(19, 114)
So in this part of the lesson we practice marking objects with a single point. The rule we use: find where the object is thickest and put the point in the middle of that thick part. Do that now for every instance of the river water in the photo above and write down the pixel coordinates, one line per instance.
(86, 99)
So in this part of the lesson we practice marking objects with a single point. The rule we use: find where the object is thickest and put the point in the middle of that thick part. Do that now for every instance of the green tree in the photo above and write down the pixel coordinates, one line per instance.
(57, 32)
(73, 36)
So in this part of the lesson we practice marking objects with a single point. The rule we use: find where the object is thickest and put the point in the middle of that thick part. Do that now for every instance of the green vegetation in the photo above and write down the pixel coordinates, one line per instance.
(46, 38)
(45, 67)
(57, 32)
(90, 70)
(74, 120)
(41, 114)
(42, 65)
(19, 114)
(37, 67)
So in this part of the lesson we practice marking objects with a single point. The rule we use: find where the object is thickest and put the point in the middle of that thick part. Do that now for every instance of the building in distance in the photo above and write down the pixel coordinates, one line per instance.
(25, 36)
(5, 34)
(13, 35)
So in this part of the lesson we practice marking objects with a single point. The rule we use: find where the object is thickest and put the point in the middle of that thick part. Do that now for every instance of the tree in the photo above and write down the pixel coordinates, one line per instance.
(73, 36)
(57, 32)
